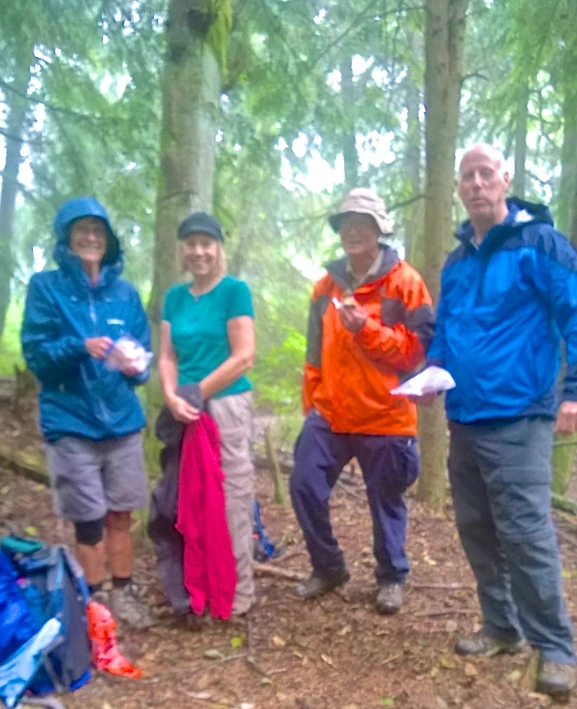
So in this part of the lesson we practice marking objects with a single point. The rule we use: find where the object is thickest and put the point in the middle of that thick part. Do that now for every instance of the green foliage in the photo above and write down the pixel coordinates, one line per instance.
(277, 374)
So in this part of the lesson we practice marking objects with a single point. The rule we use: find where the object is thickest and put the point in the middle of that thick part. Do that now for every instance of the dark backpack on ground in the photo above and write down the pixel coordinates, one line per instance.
(51, 584)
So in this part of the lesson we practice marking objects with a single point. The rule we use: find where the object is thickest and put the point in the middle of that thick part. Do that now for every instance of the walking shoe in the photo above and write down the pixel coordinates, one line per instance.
(482, 645)
(389, 598)
(556, 679)
(317, 584)
(126, 606)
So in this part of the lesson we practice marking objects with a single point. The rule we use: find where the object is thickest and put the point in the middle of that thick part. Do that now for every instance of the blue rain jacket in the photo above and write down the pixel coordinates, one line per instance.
(504, 308)
(79, 396)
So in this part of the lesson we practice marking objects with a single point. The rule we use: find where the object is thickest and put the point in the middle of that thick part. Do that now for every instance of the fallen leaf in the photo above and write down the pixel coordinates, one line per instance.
(470, 670)
(514, 676)
(451, 626)
(266, 680)
(213, 654)
(344, 631)
(388, 702)
(237, 641)
(328, 660)
(441, 703)
(278, 641)
(5, 490)
(298, 654)
(447, 664)
(31, 531)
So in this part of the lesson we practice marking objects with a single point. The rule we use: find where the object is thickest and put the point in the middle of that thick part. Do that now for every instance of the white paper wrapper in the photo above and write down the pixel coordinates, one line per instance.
(128, 350)
(430, 380)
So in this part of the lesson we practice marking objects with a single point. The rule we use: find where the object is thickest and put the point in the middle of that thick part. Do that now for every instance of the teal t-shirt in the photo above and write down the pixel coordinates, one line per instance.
(198, 329)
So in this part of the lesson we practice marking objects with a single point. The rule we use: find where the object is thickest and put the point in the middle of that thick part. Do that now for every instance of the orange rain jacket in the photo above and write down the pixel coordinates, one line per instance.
(348, 377)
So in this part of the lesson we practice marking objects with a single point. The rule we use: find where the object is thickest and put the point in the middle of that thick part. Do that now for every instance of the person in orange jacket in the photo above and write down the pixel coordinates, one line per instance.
(370, 322)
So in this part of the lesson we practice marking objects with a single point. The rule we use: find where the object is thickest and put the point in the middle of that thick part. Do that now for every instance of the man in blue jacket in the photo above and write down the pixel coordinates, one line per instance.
(90, 415)
(508, 296)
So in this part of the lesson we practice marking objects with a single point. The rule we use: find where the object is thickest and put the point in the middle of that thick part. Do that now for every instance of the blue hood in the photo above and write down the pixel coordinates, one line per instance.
(74, 209)
(520, 214)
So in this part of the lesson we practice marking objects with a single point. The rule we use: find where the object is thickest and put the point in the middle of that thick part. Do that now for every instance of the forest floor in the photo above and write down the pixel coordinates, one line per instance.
(332, 653)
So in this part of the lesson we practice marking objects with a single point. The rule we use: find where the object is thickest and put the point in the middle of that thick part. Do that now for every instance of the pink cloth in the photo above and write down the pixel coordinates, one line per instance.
(209, 563)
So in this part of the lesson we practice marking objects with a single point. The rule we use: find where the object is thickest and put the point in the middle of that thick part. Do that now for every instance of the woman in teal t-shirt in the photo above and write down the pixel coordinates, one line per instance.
(207, 340)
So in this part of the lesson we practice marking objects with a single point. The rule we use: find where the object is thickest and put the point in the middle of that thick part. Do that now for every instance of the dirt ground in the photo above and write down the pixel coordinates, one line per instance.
(334, 653)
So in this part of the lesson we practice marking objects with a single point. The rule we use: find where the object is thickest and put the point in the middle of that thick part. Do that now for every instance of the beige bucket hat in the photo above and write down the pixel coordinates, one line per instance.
(363, 200)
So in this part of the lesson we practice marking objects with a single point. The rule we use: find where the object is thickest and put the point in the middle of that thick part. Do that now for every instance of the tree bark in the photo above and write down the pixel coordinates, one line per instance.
(568, 182)
(413, 214)
(521, 125)
(18, 111)
(444, 48)
(190, 106)
(350, 154)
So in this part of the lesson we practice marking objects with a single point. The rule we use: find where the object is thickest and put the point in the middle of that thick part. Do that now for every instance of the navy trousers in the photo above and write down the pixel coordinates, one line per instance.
(500, 475)
(390, 464)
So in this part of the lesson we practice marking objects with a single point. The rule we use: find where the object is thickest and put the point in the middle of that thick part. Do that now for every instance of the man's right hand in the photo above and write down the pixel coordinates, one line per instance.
(181, 410)
(97, 347)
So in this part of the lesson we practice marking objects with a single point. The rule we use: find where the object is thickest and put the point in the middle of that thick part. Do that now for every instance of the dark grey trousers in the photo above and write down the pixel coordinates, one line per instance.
(500, 474)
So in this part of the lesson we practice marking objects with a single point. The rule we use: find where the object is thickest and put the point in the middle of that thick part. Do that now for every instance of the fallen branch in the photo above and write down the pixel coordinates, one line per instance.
(274, 468)
(457, 611)
(564, 503)
(275, 572)
(19, 464)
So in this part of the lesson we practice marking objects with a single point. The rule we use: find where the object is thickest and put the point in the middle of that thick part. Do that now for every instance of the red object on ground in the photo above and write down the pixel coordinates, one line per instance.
(209, 563)
(105, 653)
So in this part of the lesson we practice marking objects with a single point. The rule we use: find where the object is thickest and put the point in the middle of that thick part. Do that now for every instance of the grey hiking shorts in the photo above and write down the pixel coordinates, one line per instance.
(91, 478)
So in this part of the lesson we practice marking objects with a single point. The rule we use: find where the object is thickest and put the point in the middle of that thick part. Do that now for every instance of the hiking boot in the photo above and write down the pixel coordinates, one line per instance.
(482, 645)
(126, 606)
(317, 584)
(556, 679)
(389, 598)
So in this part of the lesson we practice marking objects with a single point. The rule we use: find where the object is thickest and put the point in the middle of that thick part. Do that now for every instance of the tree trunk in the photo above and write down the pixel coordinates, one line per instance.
(413, 213)
(18, 110)
(521, 124)
(568, 182)
(563, 460)
(444, 45)
(350, 154)
(190, 106)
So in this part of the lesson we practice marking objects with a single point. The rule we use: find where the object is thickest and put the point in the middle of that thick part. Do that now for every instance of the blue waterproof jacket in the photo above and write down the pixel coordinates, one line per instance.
(79, 396)
(503, 310)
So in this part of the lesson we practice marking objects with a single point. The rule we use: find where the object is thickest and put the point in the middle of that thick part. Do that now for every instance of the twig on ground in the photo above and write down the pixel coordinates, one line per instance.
(289, 555)
(391, 659)
(251, 657)
(352, 493)
(455, 611)
(276, 572)
(197, 668)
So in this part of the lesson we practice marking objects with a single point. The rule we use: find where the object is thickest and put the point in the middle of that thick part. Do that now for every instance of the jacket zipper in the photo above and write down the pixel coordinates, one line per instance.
(94, 318)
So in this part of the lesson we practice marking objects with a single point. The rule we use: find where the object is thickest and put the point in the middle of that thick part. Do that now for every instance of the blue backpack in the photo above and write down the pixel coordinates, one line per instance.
(44, 645)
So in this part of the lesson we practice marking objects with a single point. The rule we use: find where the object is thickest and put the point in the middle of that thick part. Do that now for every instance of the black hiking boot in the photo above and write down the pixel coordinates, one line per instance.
(556, 679)
(389, 598)
(317, 584)
(482, 645)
